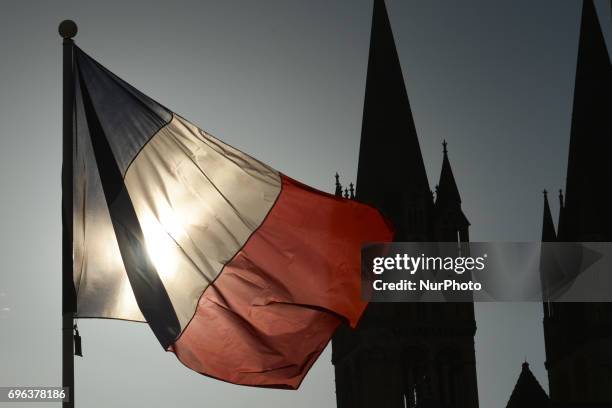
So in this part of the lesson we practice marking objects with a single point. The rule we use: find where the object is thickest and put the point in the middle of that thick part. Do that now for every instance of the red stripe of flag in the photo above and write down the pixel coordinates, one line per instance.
(276, 304)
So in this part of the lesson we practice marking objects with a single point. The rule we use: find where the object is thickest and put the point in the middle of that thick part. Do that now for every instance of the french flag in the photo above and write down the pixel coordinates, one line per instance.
(240, 271)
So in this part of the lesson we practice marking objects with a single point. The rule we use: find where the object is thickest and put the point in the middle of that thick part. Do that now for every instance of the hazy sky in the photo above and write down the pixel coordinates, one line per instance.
(284, 81)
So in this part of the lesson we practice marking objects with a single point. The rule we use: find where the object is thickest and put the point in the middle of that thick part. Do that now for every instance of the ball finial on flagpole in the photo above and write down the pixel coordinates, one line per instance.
(67, 29)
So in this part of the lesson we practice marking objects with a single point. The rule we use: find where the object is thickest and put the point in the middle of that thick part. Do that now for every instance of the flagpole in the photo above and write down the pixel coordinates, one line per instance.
(67, 30)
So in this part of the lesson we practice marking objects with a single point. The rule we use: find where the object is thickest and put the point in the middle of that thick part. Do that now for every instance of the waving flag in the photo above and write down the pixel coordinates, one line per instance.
(239, 270)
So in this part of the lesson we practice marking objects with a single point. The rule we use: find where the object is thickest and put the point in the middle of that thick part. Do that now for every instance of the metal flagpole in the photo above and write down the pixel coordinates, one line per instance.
(67, 29)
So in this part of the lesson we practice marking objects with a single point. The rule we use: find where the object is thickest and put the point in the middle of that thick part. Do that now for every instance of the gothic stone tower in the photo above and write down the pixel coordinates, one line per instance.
(578, 336)
(404, 354)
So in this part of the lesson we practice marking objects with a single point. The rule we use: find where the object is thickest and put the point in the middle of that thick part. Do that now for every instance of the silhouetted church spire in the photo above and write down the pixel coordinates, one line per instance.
(449, 217)
(575, 342)
(528, 392)
(561, 222)
(338, 191)
(390, 162)
(590, 142)
(548, 226)
(391, 359)
(447, 191)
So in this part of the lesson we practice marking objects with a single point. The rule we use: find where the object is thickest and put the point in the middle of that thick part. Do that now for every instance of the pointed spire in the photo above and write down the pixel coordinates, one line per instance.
(586, 206)
(561, 227)
(449, 215)
(527, 392)
(390, 163)
(548, 226)
(351, 191)
(446, 190)
(338, 191)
